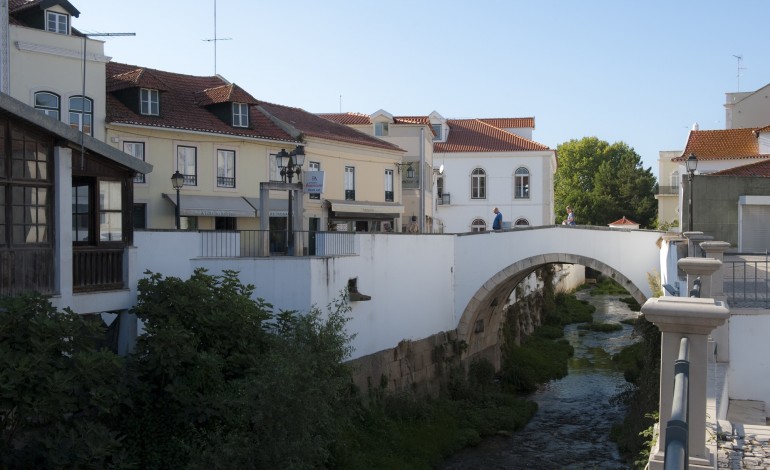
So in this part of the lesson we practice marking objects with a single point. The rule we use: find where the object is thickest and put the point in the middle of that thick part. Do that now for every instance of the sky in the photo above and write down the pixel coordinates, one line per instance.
(639, 72)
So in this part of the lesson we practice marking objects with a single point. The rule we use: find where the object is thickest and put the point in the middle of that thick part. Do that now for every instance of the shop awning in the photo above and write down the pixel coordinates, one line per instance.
(277, 207)
(212, 206)
(361, 207)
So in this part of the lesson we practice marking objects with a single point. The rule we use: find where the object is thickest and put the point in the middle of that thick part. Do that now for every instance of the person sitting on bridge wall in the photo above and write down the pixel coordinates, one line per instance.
(497, 224)
(570, 217)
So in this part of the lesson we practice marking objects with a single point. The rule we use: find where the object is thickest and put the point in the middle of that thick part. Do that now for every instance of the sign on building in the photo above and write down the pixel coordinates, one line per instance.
(313, 182)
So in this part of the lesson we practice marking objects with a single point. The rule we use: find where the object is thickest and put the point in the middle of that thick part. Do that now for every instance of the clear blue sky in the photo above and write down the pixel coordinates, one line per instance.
(641, 72)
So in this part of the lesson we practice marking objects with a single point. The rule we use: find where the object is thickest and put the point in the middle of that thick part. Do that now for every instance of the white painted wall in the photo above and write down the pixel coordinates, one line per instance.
(749, 369)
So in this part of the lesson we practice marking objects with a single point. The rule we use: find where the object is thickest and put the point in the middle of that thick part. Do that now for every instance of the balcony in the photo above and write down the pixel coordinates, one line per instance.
(350, 194)
(224, 182)
(388, 196)
(668, 190)
(96, 269)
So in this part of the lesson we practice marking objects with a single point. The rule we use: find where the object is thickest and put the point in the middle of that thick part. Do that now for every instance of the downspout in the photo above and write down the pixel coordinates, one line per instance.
(5, 38)
(422, 180)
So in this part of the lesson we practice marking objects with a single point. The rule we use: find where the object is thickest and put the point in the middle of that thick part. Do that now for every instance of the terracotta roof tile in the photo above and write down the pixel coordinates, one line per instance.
(317, 126)
(624, 221)
(722, 144)
(178, 108)
(757, 169)
(425, 120)
(138, 77)
(224, 94)
(473, 135)
(348, 119)
(511, 123)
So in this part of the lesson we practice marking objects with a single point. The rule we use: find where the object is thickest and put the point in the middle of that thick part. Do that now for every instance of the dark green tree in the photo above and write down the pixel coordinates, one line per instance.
(603, 182)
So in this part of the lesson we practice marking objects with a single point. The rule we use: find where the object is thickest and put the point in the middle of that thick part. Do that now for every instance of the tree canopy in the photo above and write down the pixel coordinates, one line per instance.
(603, 182)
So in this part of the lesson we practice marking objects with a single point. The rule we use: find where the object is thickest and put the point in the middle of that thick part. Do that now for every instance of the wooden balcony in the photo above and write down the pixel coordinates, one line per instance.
(96, 269)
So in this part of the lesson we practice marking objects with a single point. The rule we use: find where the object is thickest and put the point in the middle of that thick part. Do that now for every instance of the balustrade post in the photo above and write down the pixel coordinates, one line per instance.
(700, 267)
(721, 335)
(694, 240)
(693, 318)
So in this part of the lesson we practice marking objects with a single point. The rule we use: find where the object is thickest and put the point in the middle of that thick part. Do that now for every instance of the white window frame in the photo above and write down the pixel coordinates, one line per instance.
(350, 181)
(149, 102)
(437, 129)
(56, 22)
(478, 184)
(225, 167)
(381, 129)
(187, 163)
(79, 118)
(479, 225)
(389, 186)
(46, 108)
(240, 115)
(135, 149)
(675, 180)
(521, 188)
(314, 166)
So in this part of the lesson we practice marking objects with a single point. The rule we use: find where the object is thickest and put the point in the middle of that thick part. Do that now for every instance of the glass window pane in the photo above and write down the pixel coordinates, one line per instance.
(109, 196)
(111, 226)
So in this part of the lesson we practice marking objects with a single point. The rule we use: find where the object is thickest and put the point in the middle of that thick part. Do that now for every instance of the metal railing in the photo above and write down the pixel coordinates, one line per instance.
(258, 243)
(677, 443)
(668, 189)
(746, 282)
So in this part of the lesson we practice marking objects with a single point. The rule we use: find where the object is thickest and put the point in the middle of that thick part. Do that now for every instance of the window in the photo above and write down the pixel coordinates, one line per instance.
(389, 185)
(521, 223)
(381, 129)
(675, 179)
(82, 114)
(135, 149)
(108, 223)
(439, 186)
(478, 184)
(81, 207)
(186, 163)
(47, 103)
(240, 115)
(350, 183)
(149, 102)
(521, 184)
(478, 225)
(140, 216)
(225, 168)
(314, 166)
(225, 223)
(436, 131)
(56, 22)
(110, 211)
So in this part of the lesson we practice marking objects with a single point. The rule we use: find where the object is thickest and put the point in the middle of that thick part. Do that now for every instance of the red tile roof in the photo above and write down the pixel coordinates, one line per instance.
(758, 169)
(474, 135)
(723, 144)
(624, 221)
(511, 123)
(178, 108)
(224, 94)
(317, 126)
(348, 119)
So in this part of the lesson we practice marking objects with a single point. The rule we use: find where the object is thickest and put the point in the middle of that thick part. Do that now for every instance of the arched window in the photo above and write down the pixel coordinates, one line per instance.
(48, 103)
(478, 225)
(82, 114)
(521, 223)
(521, 184)
(478, 184)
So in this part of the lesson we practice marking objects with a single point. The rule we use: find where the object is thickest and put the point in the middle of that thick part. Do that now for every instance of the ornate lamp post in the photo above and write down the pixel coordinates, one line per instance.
(290, 164)
(177, 181)
(692, 165)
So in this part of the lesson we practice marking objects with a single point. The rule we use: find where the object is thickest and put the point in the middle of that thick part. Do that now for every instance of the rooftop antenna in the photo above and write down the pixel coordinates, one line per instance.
(83, 95)
(340, 104)
(215, 38)
(739, 58)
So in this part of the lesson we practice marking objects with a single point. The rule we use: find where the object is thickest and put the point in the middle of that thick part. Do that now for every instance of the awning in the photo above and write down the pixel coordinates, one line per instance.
(371, 208)
(212, 206)
(277, 207)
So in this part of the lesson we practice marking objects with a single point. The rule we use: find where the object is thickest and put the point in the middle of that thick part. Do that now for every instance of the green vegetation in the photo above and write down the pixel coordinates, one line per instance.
(608, 286)
(603, 182)
(601, 327)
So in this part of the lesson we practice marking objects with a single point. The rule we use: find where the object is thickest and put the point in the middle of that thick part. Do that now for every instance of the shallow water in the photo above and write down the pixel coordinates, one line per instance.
(571, 427)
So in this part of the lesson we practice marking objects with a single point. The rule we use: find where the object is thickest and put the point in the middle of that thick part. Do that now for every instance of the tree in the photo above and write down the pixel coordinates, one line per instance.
(603, 183)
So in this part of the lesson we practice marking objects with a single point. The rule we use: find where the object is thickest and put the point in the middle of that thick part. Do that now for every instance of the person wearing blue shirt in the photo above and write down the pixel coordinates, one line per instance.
(497, 224)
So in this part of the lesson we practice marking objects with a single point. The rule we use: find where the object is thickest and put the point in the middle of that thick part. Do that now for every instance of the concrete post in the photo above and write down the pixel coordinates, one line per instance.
(693, 242)
(703, 267)
(676, 318)
(721, 335)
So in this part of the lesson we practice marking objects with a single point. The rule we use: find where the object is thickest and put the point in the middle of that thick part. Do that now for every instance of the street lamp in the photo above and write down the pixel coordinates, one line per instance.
(177, 181)
(290, 164)
(692, 165)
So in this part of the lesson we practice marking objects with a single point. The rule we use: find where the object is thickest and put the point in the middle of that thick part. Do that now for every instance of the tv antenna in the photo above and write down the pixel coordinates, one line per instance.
(215, 38)
(739, 58)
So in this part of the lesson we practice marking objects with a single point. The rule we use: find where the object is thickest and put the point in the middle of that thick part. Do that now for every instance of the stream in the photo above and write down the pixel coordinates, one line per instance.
(571, 427)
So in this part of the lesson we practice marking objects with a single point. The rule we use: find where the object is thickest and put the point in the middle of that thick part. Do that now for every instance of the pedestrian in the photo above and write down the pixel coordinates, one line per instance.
(497, 224)
(570, 217)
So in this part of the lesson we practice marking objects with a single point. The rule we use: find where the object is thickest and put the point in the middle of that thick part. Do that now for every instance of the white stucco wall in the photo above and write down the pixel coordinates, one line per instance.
(748, 372)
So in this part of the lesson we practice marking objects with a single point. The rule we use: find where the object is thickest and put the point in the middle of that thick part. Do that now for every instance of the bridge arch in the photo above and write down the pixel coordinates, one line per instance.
(479, 325)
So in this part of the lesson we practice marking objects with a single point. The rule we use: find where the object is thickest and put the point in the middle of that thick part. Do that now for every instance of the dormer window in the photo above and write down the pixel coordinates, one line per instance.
(149, 102)
(381, 129)
(56, 22)
(240, 115)
(436, 131)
